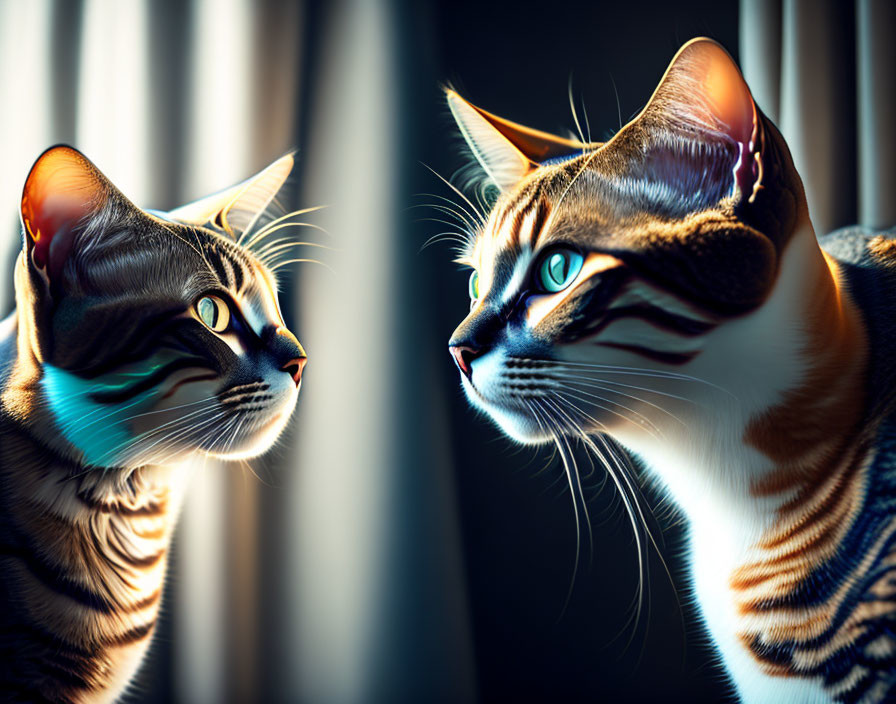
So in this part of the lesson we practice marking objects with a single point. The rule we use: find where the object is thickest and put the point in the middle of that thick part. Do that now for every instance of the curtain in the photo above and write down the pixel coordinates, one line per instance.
(332, 570)
(329, 571)
(825, 72)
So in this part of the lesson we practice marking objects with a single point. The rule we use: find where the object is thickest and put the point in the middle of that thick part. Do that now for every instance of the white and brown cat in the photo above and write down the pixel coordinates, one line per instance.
(667, 289)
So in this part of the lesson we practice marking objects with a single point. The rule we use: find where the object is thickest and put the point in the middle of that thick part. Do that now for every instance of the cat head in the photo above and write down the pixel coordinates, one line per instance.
(147, 336)
(604, 267)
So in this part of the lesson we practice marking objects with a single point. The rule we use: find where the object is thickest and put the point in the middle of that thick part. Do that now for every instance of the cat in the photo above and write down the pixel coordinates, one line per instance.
(665, 292)
(140, 339)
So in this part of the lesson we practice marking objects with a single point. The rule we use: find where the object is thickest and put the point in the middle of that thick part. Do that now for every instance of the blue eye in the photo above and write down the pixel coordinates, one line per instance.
(474, 286)
(559, 269)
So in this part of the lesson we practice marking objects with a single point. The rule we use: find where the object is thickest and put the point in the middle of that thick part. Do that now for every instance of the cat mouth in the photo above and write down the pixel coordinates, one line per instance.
(504, 405)
(244, 394)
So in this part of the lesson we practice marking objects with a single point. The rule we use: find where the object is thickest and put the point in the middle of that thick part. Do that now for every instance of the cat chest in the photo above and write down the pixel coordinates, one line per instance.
(87, 587)
(714, 558)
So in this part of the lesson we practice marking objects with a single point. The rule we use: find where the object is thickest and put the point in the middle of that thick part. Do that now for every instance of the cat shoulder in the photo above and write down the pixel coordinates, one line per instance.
(861, 246)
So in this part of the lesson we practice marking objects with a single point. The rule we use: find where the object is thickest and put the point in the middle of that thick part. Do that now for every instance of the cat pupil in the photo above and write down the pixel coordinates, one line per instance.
(474, 285)
(208, 311)
(559, 267)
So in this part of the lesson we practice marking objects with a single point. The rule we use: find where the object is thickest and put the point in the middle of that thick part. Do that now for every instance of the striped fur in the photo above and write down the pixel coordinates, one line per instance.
(110, 382)
(708, 333)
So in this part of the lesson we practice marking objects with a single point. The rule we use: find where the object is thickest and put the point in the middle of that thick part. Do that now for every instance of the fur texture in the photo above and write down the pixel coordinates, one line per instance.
(139, 341)
(708, 333)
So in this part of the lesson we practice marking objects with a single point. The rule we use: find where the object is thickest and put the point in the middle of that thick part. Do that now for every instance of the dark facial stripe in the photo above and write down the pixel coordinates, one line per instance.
(189, 380)
(217, 263)
(149, 382)
(542, 211)
(661, 318)
(594, 297)
(113, 334)
(239, 276)
(654, 355)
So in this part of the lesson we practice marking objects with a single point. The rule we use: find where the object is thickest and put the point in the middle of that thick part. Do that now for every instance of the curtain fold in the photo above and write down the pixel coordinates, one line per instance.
(26, 122)
(331, 568)
(876, 55)
(834, 66)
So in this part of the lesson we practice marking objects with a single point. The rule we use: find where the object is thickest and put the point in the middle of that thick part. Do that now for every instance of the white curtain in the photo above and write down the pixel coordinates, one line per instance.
(296, 584)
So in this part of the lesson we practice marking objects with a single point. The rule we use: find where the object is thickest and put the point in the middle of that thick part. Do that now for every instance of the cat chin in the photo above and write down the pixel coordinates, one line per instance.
(258, 442)
(517, 424)
(525, 433)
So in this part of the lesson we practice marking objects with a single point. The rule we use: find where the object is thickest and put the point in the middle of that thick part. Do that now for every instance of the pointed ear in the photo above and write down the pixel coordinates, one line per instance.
(505, 150)
(700, 133)
(704, 90)
(235, 210)
(62, 193)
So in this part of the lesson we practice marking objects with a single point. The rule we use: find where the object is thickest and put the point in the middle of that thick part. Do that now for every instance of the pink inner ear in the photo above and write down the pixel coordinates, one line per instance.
(733, 106)
(726, 90)
(710, 71)
(62, 190)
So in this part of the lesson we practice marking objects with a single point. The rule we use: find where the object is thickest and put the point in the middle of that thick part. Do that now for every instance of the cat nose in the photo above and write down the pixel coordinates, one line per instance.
(463, 358)
(285, 345)
(294, 368)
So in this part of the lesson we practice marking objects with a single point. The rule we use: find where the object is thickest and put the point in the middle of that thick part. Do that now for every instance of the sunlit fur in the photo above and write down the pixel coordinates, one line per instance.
(710, 335)
(109, 382)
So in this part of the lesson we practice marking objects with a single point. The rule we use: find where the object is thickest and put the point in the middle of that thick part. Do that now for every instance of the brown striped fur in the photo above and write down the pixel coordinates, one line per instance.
(85, 564)
(707, 331)
(111, 382)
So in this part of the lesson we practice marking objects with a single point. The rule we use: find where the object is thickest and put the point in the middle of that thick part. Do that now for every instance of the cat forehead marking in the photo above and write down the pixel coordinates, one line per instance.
(260, 305)
(512, 234)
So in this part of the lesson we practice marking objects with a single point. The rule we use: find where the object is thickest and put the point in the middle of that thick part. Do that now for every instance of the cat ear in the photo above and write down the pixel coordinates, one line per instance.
(235, 210)
(704, 90)
(703, 97)
(505, 150)
(62, 193)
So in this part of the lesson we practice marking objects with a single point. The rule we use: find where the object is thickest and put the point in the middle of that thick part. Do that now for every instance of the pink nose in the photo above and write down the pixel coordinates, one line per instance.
(463, 358)
(294, 368)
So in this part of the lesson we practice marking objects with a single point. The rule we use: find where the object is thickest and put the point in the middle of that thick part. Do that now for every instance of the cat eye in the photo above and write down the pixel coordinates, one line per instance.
(474, 286)
(559, 269)
(214, 312)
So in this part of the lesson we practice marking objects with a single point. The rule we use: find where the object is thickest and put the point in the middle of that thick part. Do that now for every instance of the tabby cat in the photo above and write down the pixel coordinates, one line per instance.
(666, 290)
(139, 339)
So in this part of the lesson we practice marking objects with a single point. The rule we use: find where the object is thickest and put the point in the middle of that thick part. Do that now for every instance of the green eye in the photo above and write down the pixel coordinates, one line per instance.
(474, 286)
(559, 269)
(213, 312)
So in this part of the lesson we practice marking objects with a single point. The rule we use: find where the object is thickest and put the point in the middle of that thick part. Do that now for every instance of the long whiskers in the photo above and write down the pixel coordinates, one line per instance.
(645, 424)
(476, 213)
(580, 510)
(570, 382)
(636, 371)
(273, 223)
(629, 498)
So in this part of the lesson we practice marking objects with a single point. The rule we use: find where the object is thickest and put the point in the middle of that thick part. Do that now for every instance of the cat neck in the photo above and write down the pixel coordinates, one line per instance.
(36, 472)
(35, 447)
(748, 443)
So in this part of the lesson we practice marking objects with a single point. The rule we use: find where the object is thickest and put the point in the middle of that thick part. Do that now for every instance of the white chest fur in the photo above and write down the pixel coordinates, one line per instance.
(705, 465)
(714, 556)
